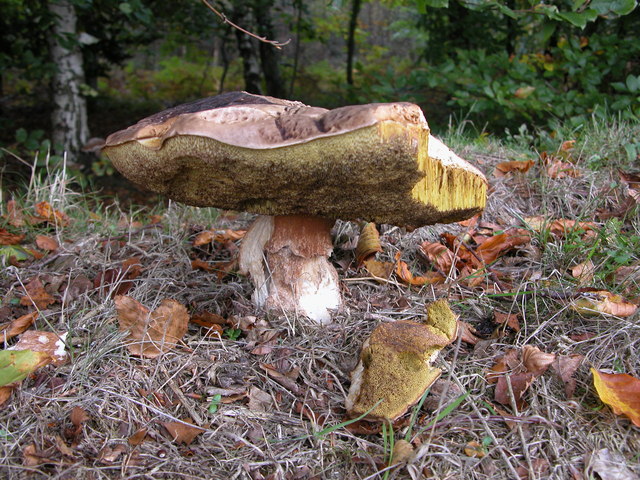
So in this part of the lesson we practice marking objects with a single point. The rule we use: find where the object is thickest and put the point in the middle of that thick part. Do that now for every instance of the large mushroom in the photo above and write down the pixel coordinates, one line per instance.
(302, 167)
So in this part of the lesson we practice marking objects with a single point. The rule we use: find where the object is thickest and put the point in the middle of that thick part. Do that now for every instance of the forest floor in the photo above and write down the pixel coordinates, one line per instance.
(245, 395)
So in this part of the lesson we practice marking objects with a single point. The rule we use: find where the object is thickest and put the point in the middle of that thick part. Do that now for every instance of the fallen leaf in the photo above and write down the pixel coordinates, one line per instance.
(520, 383)
(183, 432)
(510, 319)
(535, 360)
(49, 343)
(620, 391)
(36, 295)
(211, 321)
(402, 452)
(491, 249)
(467, 332)
(47, 243)
(378, 269)
(109, 455)
(17, 326)
(610, 466)
(563, 226)
(259, 400)
(224, 236)
(151, 333)
(602, 301)
(566, 366)
(138, 437)
(404, 274)
(439, 255)
(505, 363)
(62, 447)
(584, 272)
(5, 393)
(513, 166)
(15, 365)
(368, 243)
(7, 238)
(558, 169)
(118, 281)
(222, 269)
(79, 416)
(45, 212)
(32, 458)
(474, 450)
(14, 214)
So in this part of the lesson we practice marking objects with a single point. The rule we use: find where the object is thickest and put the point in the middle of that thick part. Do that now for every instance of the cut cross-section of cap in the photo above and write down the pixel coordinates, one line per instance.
(277, 157)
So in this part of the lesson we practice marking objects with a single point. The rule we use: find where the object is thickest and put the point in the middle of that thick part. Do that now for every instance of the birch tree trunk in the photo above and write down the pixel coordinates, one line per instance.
(69, 117)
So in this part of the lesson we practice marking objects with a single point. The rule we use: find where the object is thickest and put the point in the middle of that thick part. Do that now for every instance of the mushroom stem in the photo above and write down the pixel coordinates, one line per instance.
(287, 259)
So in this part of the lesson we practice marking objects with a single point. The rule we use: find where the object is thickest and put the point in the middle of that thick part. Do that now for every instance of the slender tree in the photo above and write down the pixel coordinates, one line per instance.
(69, 118)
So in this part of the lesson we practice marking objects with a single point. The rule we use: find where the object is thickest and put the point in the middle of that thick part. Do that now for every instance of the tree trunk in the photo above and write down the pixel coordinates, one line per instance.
(69, 119)
(247, 48)
(351, 40)
(269, 55)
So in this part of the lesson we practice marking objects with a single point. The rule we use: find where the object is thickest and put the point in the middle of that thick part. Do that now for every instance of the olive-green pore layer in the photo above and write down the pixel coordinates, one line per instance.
(370, 173)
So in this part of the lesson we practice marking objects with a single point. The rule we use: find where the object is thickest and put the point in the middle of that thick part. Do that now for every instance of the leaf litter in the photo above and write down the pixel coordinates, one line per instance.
(281, 382)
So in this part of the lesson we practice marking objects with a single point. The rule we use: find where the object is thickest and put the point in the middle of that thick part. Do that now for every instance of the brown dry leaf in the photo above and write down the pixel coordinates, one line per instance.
(368, 243)
(224, 236)
(602, 301)
(109, 455)
(138, 437)
(7, 238)
(183, 432)
(45, 212)
(33, 458)
(566, 366)
(198, 264)
(211, 321)
(504, 168)
(583, 272)
(16, 327)
(402, 452)
(118, 281)
(378, 269)
(621, 392)
(520, 383)
(535, 360)
(51, 343)
(259, 400)
(505, 363)
(36, 295)
(47, 243)
(563, 226)
(474, 450)
(510, 319)
(14, 215)
(5, 393)
(152, 332)
(491, 249)
(78, 416)
(559, 169)
(403, 272)
(439, 255)
(467, 332)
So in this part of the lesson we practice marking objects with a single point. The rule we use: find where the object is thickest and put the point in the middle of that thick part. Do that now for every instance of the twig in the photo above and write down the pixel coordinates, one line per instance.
(224, 19)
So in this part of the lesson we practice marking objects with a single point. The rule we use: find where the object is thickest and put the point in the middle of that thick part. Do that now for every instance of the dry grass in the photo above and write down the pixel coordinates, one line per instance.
(270, 429)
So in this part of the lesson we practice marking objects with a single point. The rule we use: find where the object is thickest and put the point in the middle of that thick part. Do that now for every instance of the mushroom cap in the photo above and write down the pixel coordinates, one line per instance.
(277, 157)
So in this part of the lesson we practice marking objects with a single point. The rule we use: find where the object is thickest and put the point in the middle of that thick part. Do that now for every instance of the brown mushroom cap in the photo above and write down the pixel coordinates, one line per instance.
(277, 157)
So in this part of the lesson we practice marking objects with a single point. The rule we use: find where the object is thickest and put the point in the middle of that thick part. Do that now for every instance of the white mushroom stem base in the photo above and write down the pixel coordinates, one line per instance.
(287, 259)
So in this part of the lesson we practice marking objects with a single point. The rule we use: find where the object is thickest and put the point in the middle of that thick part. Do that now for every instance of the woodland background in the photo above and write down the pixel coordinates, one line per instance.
(75, 69)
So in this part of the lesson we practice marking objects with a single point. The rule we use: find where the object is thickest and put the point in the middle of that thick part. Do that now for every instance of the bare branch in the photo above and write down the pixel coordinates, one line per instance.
(224, 19)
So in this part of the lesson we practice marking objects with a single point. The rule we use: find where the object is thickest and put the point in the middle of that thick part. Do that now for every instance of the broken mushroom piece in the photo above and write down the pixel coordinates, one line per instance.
(305, 166)
(395, 367)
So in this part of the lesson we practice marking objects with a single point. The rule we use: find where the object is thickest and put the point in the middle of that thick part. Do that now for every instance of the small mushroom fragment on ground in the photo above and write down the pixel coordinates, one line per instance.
(395, 367)
(305, 166)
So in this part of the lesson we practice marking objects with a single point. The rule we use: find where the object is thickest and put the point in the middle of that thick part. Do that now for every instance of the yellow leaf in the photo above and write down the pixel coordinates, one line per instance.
(594, 303)
(368, 243)
(378, 269)
(620, 391)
